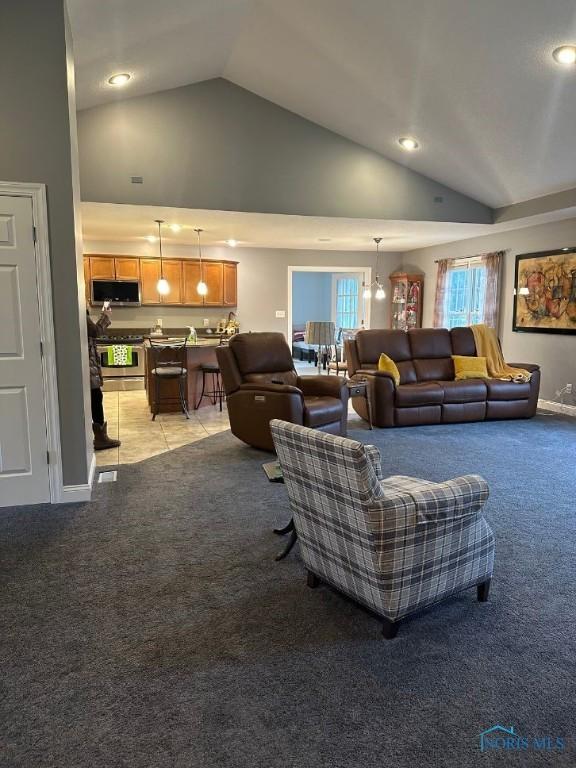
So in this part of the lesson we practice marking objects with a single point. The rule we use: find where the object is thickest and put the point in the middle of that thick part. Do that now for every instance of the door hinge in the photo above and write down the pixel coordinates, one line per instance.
(34, 235)
(47, 457)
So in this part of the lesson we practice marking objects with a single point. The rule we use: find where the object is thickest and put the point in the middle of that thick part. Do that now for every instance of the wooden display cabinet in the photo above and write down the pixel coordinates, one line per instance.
(406, 293)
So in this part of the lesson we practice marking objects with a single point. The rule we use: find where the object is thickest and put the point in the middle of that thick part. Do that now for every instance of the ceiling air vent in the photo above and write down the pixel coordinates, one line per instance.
(438, 199)
(137, 179)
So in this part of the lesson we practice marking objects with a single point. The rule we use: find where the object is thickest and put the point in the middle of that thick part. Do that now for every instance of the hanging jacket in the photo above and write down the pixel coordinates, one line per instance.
(94, 331)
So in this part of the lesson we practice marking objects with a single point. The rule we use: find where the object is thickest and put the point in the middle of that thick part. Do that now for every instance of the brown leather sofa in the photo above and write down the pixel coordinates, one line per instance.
(428, 393)
(261, 384)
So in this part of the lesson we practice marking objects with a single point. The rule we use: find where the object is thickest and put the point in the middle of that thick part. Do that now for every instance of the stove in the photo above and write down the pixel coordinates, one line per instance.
(117, 339)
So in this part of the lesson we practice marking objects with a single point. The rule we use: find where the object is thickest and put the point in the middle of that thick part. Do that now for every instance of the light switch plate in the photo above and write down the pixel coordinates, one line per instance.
(280, 313)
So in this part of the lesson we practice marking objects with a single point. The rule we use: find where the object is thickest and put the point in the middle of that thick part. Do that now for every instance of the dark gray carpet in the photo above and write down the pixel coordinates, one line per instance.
(152, 628)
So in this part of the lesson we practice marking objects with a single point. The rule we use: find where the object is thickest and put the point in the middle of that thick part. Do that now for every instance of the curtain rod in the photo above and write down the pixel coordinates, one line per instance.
(467, 258)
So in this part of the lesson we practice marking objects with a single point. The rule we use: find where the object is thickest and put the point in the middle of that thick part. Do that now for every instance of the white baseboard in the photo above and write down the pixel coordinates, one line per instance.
(551, 405)
(83, 492)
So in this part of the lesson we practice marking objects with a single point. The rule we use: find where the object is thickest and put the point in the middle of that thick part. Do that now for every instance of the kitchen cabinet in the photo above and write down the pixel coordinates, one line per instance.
(127, 269)
(102, 268)
(190, 279)
(172, 269)
(230, 295)
(182, 274)
(213, 277)
(149, 276)
(87, 279)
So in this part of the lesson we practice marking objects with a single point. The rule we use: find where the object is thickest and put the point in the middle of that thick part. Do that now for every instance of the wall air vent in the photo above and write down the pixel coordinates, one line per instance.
(137, 179)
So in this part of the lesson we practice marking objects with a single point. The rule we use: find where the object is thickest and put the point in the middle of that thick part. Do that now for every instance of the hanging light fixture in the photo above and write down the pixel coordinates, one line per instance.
(202, 288)
(380, 293)
(162, 286)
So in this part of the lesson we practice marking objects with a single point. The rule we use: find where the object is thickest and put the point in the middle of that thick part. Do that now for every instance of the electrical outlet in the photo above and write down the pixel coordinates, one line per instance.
(569, 389)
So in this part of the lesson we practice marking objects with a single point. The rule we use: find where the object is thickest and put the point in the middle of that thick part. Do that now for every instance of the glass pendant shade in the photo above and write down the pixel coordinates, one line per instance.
(163, 286)
(201, 287)
(380, 293)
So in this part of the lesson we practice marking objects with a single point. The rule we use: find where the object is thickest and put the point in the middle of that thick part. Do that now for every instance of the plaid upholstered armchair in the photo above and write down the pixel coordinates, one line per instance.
(395, 545)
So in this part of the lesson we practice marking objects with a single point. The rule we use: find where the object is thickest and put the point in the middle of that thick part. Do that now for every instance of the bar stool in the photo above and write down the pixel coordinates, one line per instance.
(216, 394)
(169, 369)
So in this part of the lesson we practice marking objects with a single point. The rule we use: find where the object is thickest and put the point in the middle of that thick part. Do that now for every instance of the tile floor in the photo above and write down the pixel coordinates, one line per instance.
(129, 420)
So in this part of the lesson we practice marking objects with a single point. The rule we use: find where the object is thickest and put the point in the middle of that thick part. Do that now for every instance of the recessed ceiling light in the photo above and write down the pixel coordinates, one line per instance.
(175, 227)
(566, 55)
(151, 238)
(408, 143)
(232, 243)
(119, 79)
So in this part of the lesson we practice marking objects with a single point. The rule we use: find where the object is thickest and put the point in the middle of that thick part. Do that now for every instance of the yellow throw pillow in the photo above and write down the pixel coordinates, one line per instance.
(469, 367)
(386, 363)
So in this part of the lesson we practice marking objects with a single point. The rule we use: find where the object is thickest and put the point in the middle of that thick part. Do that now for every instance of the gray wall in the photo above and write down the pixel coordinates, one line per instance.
(556, 354)
(37, 143)
(311, 297)
(217, 146)
(262, 283)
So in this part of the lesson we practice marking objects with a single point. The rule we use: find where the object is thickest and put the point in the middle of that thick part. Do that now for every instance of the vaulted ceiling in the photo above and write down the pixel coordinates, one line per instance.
(473, 80)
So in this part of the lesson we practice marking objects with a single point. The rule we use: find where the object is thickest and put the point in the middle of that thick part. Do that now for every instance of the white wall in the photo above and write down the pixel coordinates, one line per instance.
(262, 283)
(555, 353)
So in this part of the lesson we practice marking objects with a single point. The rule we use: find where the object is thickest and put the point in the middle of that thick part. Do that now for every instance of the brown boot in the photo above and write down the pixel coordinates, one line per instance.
(101, 439)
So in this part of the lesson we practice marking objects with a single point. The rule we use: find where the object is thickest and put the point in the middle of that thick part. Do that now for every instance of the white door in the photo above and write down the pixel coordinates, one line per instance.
(24, 477)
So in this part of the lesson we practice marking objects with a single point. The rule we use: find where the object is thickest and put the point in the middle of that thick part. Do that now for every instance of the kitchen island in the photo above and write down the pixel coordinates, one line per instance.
(193, 357)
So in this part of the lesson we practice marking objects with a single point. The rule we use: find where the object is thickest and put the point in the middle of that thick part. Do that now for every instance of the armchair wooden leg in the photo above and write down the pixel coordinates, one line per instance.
(313, 581)
(390, 629)
(483, 590)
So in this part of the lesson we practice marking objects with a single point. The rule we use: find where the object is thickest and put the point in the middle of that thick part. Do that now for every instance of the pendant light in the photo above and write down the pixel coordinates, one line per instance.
(162, 286)
(202, 288)
(380, 292)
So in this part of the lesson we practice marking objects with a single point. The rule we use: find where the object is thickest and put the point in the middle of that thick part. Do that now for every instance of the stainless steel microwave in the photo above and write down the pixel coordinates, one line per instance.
(121, 293)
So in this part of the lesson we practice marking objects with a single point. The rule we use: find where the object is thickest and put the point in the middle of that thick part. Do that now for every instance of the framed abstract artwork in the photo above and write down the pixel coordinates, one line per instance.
(545, 292)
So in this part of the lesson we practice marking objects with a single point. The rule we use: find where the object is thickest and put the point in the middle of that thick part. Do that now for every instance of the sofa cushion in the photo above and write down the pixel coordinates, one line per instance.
(410, 395)
(430, 342)
(388, 365)
(468, 391)
(507, 390)
(463, 342)
(261, 352)
(434, 369)
(371, 344)
(407, 372)
(321, 410)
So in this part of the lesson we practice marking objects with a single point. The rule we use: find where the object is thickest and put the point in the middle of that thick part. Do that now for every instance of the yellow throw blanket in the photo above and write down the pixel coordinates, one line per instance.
(487, 346)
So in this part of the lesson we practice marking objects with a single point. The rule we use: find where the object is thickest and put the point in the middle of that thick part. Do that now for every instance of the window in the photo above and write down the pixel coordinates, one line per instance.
(347, 290)
(465, 295)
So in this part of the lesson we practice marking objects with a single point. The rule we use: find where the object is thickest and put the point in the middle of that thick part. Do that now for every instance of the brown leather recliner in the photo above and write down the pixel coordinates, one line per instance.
(428, 392)
(261, 384)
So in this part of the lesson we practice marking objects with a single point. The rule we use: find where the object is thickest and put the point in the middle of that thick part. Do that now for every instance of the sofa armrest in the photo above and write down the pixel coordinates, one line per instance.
(279, 389)
(451, 500)
(374, 459)
(323, 386)
(377, 374)
(527, 366)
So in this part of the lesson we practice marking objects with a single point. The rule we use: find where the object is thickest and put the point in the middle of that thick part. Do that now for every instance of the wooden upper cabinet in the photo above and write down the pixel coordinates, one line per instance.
(214, 279)
(230, 290)
(87, 279)
(172, 270)
(149, 276)
(102, 268)
(127, 269)
(190, 279)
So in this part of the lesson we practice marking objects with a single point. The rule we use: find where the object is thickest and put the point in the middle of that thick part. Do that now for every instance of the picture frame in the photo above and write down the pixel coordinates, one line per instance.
(545, 292)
